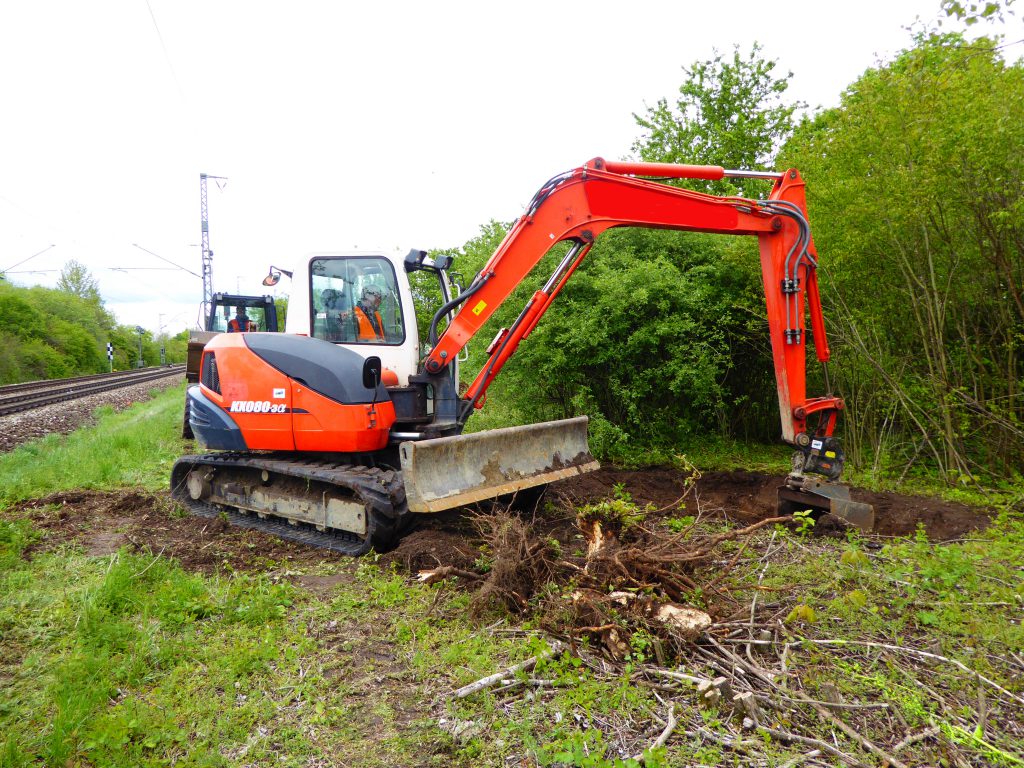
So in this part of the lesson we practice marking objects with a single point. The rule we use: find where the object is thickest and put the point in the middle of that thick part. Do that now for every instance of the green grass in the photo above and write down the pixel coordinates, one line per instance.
(135, 447)
(129, 660)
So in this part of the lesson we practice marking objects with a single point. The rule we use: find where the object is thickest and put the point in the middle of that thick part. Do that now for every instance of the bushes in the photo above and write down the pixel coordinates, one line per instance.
(917, 206)
(659, 338)
(47, 334)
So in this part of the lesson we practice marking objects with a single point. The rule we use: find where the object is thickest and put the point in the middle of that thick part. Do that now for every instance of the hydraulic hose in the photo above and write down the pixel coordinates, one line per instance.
(799, 248)
(477, 284)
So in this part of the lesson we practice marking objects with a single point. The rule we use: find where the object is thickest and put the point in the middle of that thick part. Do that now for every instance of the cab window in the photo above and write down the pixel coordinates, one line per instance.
(253, 318)
(355, 300)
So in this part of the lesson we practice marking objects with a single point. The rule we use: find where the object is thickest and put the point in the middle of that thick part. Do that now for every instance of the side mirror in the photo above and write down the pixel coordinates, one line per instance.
(372, 373)
(274, 275)
(414, 260)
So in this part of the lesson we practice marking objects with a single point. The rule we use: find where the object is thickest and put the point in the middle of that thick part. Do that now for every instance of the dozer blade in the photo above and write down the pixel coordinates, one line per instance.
(824, 497)
(449, 472)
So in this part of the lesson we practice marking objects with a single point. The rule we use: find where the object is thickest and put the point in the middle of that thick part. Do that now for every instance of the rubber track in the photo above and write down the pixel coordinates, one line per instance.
(381, 489)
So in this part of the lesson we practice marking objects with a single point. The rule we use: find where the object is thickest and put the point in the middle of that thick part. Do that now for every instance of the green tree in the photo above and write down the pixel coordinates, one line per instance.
(78, 281)
(18, 317)
(47, 333)
(652, 339)
(973, 11)
(731, 111)
(177, 347)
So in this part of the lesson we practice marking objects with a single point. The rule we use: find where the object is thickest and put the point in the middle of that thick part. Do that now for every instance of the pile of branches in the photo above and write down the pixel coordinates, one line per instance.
(732, 675)
(613, 579)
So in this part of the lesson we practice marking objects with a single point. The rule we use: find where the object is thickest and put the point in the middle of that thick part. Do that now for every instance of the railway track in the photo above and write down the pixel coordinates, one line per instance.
(15, 398)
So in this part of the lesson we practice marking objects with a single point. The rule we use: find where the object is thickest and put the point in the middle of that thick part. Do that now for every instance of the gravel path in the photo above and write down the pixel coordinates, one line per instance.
(66, 417)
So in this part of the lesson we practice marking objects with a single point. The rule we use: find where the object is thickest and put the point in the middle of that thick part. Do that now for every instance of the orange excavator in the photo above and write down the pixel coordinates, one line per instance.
(338, 432)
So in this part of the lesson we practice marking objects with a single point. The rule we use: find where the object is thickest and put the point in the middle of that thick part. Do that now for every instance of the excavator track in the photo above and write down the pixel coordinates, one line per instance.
(238, 486)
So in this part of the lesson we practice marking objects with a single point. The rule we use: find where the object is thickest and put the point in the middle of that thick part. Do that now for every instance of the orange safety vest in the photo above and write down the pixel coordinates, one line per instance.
(236, 327)
(371, 327)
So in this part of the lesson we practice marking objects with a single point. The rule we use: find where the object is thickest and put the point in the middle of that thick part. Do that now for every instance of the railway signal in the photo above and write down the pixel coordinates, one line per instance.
(140, 330)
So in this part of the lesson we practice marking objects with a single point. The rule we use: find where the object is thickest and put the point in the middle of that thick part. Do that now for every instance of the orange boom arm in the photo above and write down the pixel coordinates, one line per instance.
(579, 205)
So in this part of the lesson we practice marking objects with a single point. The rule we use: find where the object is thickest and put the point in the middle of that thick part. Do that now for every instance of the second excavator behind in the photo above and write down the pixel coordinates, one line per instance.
(338, 432)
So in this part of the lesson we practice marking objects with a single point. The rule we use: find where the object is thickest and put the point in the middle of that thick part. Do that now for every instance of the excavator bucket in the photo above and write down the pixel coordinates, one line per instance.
(826, 498)
(449, 472)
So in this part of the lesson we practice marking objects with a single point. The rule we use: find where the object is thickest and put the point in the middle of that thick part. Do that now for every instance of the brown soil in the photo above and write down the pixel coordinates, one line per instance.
(103, 522)
(750, 496)
(742, 497)
(430, 547)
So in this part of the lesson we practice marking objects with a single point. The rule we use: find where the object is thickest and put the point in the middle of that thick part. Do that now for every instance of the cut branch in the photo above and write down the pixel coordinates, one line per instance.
(491, 680)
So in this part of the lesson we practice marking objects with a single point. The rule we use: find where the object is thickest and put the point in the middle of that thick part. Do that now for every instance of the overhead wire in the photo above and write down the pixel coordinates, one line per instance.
(167, 260)
(167, 56)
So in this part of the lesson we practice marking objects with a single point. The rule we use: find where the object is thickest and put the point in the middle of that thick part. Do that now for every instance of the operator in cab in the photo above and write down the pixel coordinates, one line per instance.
(241, 323)
(370, 325)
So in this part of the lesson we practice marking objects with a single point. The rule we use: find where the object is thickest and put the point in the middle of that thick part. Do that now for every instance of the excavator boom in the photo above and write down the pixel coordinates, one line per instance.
(580, 205)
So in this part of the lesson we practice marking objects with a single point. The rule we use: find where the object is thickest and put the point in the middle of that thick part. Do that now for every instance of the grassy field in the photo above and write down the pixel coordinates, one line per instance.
(129, 659)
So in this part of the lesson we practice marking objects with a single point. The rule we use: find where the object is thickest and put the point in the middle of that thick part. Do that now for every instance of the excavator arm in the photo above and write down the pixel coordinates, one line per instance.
(577, 206)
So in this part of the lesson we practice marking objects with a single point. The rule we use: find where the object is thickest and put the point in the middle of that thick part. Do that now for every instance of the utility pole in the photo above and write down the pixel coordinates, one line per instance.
(163, 339)
(207, 253)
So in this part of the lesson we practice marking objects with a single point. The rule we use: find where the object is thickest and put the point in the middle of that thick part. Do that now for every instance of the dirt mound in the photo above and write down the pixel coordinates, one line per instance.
(751, 496)
(101, 522)
(429, 548)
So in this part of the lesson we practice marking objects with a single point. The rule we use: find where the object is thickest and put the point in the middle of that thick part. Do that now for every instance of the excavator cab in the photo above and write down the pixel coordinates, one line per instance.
(260, 310)
(261, 315)
(356, 300)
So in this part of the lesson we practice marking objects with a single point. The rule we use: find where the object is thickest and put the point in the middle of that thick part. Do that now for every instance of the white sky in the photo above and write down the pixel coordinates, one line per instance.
(393, 124)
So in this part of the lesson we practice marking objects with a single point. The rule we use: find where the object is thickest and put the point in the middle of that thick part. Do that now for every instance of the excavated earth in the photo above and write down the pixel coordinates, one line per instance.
(740, 497)
(751, 496)
(103, 522)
